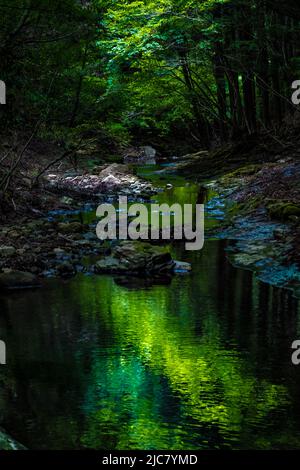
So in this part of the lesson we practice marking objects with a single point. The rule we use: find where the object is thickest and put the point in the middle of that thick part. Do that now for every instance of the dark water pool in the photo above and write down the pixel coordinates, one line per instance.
(202, 362)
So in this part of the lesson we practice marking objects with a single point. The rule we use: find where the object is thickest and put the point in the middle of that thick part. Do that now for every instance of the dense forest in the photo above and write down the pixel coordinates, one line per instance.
(203, 71)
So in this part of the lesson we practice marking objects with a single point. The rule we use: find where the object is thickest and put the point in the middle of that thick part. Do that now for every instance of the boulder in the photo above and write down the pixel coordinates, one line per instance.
(136, 258)
(66, 270)
(18, 280)
(283, 210)
(110, 182)
(109, 265)
(141, 155)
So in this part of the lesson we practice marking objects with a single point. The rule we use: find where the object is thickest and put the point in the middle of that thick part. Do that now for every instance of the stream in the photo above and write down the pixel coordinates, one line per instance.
(202, 361)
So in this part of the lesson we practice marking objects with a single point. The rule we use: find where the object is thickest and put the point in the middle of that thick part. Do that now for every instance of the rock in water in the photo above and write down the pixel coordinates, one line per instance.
(136, 258)
(66, 270)
(182, 267)
(149, 154)
(18, 280)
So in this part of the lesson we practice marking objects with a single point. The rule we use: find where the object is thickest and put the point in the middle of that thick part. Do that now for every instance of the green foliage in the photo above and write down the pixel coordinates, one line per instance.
(207, 70)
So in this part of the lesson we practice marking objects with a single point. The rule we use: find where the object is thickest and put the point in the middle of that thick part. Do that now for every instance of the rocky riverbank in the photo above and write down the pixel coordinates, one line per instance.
(63, 242)
(115, 179)
(263, 220)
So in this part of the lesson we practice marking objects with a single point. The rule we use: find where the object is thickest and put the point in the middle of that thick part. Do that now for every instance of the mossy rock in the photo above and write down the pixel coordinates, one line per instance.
(136, 258)
(243, 208)
(247, 260)
(283, 210)
(246, 170)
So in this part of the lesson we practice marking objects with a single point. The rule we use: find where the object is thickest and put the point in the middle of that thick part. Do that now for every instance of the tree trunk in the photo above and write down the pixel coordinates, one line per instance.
(219, 71)
(202, 125)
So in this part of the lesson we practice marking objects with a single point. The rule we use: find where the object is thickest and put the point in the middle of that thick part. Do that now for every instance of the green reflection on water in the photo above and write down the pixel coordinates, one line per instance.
(95, 364)
(215, 385)
(203, 362)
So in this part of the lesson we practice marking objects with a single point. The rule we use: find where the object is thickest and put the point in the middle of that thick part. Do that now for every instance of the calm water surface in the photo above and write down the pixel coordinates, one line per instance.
(201, 362)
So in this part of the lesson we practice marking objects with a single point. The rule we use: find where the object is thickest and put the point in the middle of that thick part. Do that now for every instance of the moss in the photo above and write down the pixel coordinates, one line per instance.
(253, 203)
(243, 208)
(246, 170)
(283, 210)
(233, 210)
